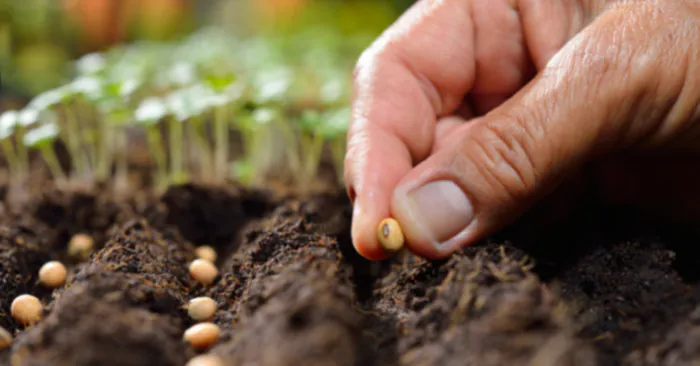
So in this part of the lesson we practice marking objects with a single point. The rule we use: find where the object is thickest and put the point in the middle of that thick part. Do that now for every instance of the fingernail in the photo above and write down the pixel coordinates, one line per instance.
(440, 209)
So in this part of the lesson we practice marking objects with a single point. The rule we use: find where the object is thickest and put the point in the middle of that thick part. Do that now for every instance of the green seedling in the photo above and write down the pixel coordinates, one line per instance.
(42, 138)
(271, 86)
(258, 87)
(87, 91)
(222, 106)
(224, 89)
(148, 114)
(25, 119)
(116, 114)
(319, 129)
(114, 138)
(70, 131)
(253, 128)
(311, 144)
(187, 105)
(334, 130)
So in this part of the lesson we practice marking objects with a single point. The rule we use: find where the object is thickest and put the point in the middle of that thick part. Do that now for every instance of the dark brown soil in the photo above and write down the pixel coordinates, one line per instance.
(604, 290)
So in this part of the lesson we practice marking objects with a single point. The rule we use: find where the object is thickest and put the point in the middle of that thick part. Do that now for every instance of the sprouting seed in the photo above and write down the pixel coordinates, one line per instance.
(206, 252)
(80, 246)
(201, 309)
(5, 338)
(390, 235)
(53, 274)
(26, 309)
(202, 335)
(203, 271)
(205, 360)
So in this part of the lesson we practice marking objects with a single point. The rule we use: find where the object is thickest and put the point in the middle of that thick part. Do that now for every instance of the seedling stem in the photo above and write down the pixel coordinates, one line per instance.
(177, 172)
(221, 134)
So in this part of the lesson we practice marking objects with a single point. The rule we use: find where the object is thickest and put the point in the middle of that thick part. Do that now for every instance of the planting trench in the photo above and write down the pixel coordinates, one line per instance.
(292, 291)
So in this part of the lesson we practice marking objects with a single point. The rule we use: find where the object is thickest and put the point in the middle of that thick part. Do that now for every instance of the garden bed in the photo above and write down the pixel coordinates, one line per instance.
(292, 291)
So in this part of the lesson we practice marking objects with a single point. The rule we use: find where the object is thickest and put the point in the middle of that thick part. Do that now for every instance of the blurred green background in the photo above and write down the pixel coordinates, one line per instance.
(40, 38)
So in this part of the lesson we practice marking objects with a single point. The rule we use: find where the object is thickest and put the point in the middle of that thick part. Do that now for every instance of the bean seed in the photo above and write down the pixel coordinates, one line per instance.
(201, 308)
(205, 360)
(203, 271)
(53, 274)
(26, 309)
(202, 335)
(80, 246)
(390, 235)
(206, 252)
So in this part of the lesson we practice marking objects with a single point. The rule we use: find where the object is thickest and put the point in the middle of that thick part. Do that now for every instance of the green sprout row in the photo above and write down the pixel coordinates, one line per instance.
(210, 108)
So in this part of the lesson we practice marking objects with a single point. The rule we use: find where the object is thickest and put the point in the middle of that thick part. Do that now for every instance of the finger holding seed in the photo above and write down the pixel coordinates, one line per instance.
(53, 274)
(205, 360)
(26, 309)
(202, 335)
(203, 271)
(390, 235)
(201, 308)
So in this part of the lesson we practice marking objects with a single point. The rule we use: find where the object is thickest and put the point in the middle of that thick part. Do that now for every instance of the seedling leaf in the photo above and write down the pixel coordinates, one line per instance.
(49, 98)
(8, 122)
(41, 136)
(28, 117)
(91, 63)
(150, 111)
(88, 86)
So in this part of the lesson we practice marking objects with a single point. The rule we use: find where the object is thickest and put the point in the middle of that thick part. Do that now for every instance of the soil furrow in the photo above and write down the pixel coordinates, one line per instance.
(22, 253)
(288, 298)
(128, 297)
(481, 307)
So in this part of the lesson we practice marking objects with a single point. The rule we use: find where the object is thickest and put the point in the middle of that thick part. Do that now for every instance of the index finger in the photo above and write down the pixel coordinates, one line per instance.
(418, 70)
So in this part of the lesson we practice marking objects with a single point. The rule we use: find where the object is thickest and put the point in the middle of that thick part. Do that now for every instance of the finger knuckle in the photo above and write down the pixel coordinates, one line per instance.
(505, 152)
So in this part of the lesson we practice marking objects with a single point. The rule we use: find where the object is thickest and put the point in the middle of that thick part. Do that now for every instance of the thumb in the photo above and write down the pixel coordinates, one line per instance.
(601, 92)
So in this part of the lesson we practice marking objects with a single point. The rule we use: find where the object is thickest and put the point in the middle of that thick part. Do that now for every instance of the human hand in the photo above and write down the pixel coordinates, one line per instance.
(467, 113)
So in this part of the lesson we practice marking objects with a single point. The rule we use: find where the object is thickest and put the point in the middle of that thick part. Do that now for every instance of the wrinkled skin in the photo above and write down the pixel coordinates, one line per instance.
(512, 105)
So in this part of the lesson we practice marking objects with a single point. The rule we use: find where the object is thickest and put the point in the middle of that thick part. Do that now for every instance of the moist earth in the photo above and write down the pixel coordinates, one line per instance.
(291, 290)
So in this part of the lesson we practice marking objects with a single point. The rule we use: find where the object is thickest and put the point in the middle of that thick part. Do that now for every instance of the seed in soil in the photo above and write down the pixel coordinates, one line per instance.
(26, 309)
(53, 274)
(203, 271)
(201, 308)
(202, 335)
(5, 338)
(205, 360)
(206, 252)
(390, 235)
(80, 246)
